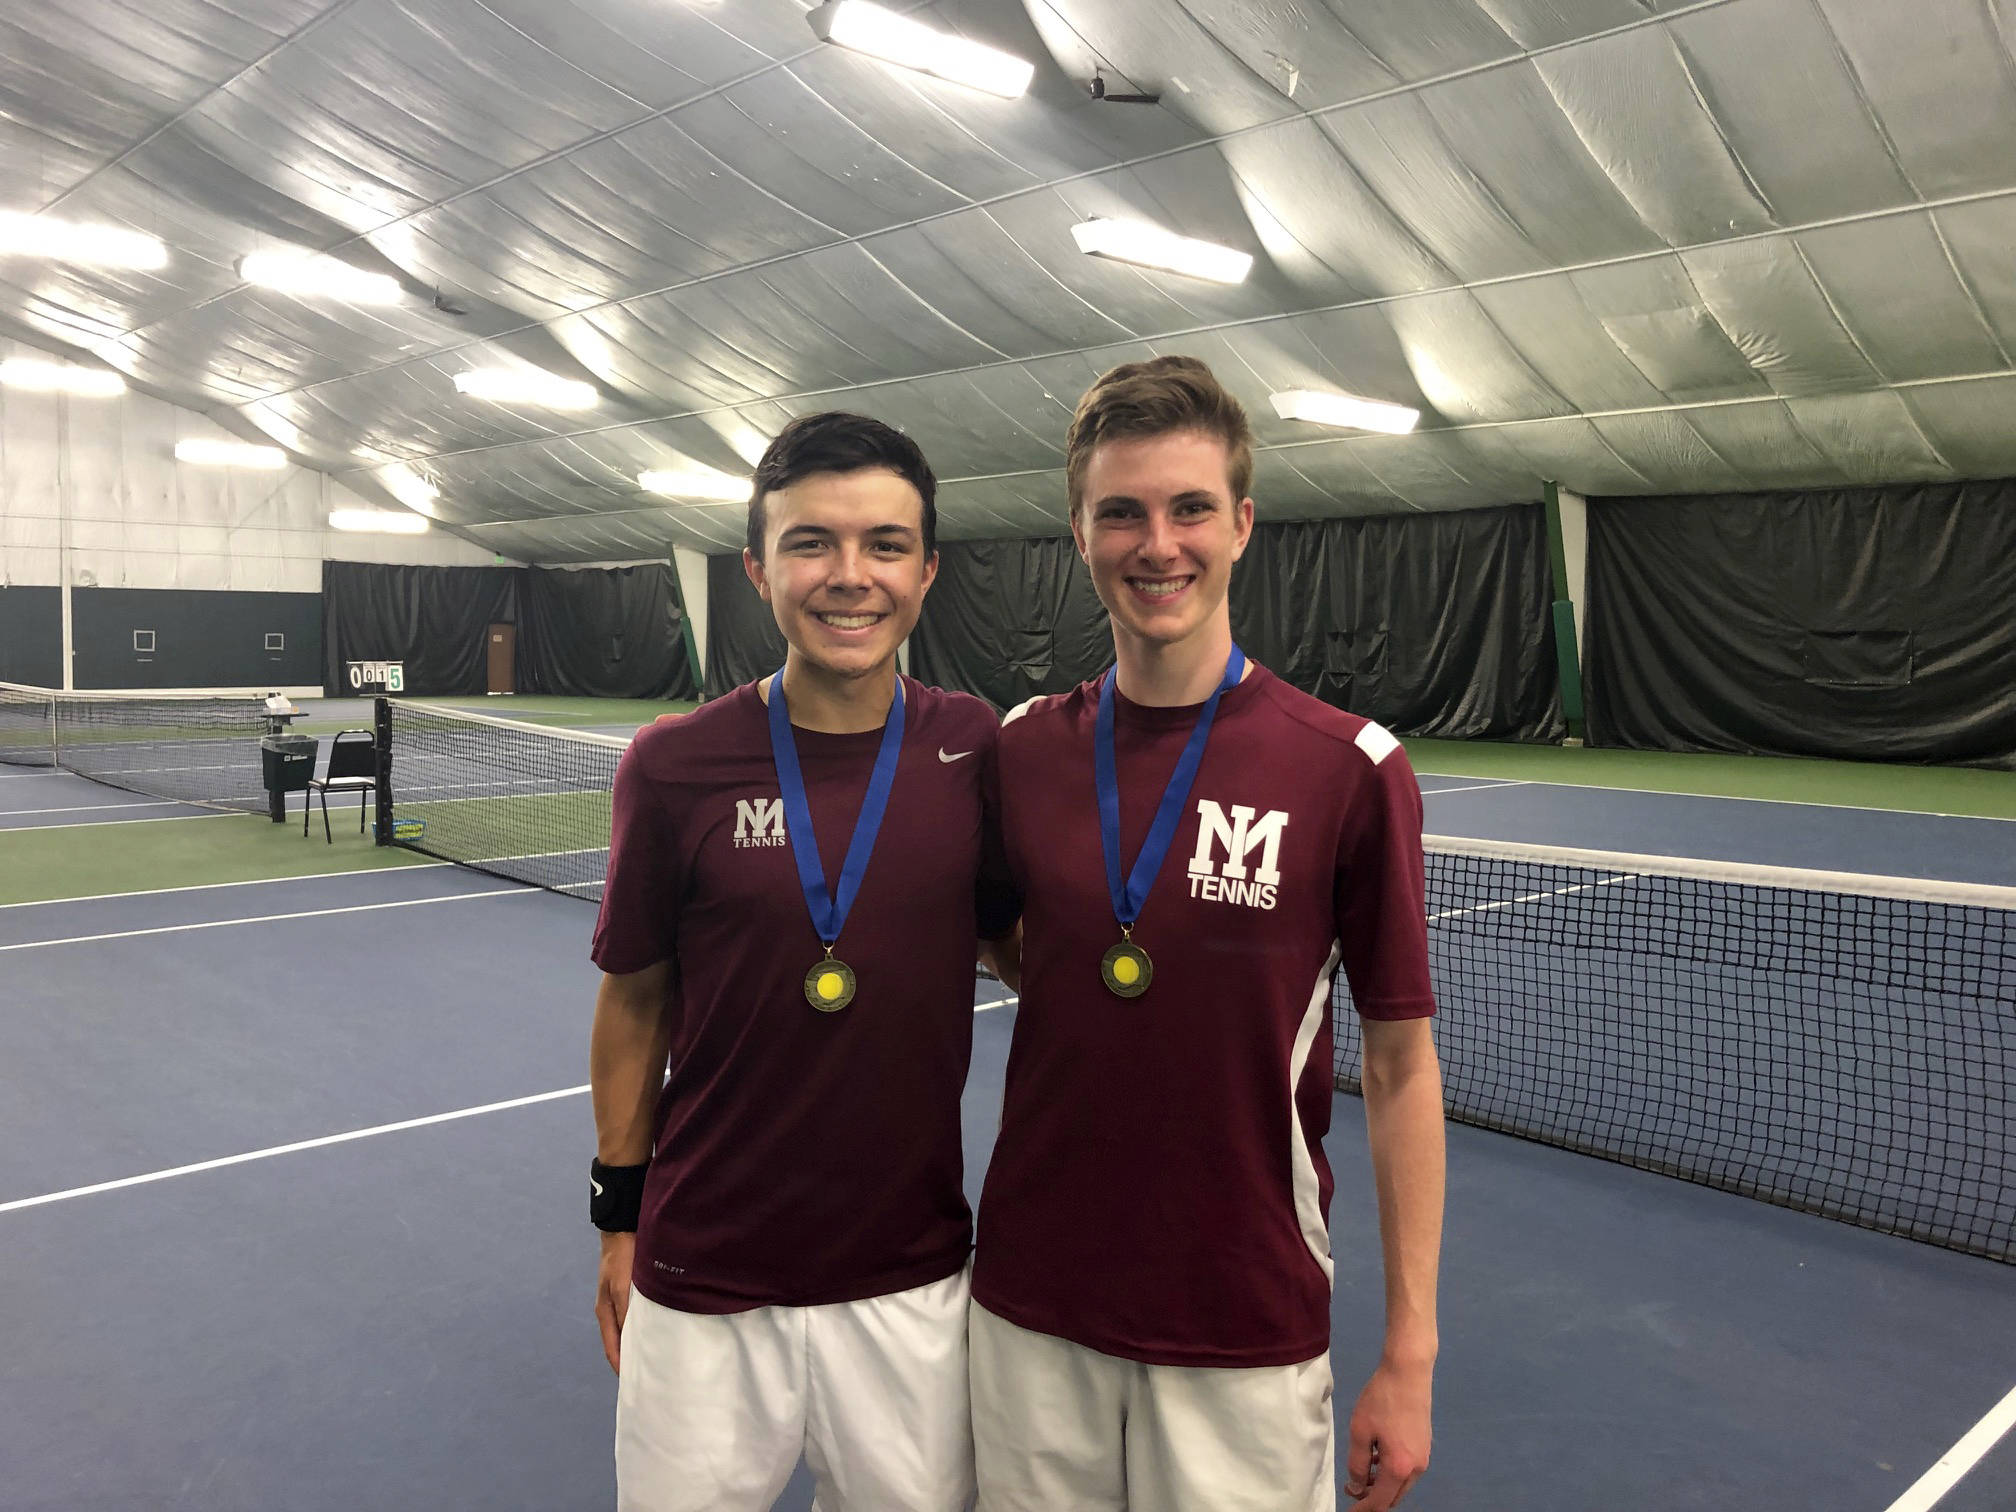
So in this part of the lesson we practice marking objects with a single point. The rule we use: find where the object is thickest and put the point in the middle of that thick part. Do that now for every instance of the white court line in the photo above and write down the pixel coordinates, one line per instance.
(148, 892)
(1961, 1458)
(315, 1144)
(90, 808)
(312, 913)
(1007, 1002)
(1852, 808)
(287, 1149)
(1559, 892)
(23, 829)
(1474, 787)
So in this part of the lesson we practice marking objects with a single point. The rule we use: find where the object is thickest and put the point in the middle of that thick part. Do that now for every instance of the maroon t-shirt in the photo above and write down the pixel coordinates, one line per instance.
(1159, 1190)
(802, 1157)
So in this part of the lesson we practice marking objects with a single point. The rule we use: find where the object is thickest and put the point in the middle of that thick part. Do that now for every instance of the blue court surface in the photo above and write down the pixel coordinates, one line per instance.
(58, 800)
(45, 799)
(291, 1216)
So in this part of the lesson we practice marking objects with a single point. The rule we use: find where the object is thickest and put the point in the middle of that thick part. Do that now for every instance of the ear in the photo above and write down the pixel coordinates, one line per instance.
(752, 566)
(930, 571)
(1242, 528)
(1078, 537)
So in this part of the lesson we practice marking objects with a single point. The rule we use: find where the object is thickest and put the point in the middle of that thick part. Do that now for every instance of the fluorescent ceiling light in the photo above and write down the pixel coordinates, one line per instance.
(60, 378)
(377, 522)
(529, 387)
(410, 489)
(315, 277)
(1345, 410)
(1152, 247)
(695, 482)
(67, 241)
(229, 454)
(884, 34)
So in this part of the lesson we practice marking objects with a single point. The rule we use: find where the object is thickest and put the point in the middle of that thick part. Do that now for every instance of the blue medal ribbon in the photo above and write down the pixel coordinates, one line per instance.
(1129, 896)
(829, 913)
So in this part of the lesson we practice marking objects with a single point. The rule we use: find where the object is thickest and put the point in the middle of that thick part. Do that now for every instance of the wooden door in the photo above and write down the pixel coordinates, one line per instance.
(503, 658)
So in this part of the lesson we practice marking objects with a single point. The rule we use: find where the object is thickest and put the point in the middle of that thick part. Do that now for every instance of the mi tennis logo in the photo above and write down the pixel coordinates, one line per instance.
(1238, 835)
(759, 821)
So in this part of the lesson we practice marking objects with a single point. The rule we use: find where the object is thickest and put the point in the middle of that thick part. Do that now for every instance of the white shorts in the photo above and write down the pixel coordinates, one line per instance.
(1057, 1425)
(712, 1411)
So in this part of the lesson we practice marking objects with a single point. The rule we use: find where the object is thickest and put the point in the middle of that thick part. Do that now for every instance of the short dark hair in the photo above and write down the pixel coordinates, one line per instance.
(837, 442)
(1156, 398)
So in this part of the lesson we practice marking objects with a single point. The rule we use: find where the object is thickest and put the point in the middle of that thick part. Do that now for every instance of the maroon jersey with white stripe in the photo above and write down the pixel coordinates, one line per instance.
(1159, 1189)
(802, 1157)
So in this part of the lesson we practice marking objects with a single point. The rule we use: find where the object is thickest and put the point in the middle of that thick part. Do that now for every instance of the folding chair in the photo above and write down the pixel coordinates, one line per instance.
(352, 768)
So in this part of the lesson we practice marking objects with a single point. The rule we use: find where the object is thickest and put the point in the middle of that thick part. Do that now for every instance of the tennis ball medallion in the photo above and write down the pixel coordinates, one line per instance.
(1127, 969)
(829, 986)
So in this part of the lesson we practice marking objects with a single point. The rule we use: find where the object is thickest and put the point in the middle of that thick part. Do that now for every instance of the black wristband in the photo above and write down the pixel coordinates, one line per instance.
(615, 1196)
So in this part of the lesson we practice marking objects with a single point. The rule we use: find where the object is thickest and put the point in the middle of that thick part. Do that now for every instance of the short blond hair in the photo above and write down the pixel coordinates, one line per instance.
(1157, 398)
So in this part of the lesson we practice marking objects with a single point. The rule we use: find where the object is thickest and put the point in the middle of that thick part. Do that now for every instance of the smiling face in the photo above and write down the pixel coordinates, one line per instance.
(844, 569)
(1160, 528)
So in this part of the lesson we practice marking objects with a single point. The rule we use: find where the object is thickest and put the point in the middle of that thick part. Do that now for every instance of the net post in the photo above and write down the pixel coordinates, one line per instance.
(381, 725)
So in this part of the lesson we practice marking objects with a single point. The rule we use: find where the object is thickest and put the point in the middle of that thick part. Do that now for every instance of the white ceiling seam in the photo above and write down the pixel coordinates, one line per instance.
(1384, 301)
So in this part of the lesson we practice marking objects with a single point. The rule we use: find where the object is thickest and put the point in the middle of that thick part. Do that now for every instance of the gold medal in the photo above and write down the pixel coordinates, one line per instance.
(1126, 968)
(829, 986)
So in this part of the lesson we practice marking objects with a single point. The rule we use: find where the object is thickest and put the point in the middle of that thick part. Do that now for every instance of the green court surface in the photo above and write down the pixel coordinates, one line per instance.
(89, 860)
(84, 861)
(1970, 791)
(485, 827)
(564, 712)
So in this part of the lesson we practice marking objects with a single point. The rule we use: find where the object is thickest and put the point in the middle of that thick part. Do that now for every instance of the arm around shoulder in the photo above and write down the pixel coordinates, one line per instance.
(1003, 957)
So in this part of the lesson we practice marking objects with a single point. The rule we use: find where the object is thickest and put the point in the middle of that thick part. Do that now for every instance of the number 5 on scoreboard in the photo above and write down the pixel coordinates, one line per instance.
(395, 677)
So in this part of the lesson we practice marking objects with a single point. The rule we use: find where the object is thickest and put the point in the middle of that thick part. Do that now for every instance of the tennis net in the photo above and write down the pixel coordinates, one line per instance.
(1834, 1043)
(187, 748)
(1831, 1042)
(515, 800)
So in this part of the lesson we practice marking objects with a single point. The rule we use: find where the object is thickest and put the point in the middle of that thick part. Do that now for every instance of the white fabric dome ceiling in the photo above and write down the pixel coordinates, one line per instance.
(1638, 246)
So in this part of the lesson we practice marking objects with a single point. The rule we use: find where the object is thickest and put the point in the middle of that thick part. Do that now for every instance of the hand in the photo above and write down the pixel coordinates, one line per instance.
(1389, 1436)
(612, 1293)
(1003, 957)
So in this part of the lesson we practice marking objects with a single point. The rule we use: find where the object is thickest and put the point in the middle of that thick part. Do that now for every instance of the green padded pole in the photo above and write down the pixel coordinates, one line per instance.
(685, 625)
(1567, 663)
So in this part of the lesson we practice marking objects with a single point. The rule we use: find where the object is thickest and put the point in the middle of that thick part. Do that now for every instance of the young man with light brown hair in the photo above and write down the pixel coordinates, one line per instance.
(1198, 846)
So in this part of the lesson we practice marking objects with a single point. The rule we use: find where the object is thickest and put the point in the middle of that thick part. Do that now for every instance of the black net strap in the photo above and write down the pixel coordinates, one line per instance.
(515, 800)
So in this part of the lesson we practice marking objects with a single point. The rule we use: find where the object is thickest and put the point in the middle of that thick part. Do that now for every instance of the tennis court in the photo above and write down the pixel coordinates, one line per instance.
(1611, 400)
(291, 1213)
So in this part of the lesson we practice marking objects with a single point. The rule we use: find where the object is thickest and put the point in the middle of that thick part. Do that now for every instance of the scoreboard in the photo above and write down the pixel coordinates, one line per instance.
(373, 677)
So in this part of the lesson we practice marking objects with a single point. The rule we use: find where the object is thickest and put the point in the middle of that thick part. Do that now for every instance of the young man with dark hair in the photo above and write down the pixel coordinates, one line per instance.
(789, 920)
(1198, 846)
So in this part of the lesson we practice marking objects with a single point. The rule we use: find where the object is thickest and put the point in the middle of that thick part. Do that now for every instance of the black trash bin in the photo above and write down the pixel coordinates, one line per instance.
(286, 762)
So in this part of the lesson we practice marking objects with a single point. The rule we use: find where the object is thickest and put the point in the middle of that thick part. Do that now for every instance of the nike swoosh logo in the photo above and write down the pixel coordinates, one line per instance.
(595, 1184)
(950, 756)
